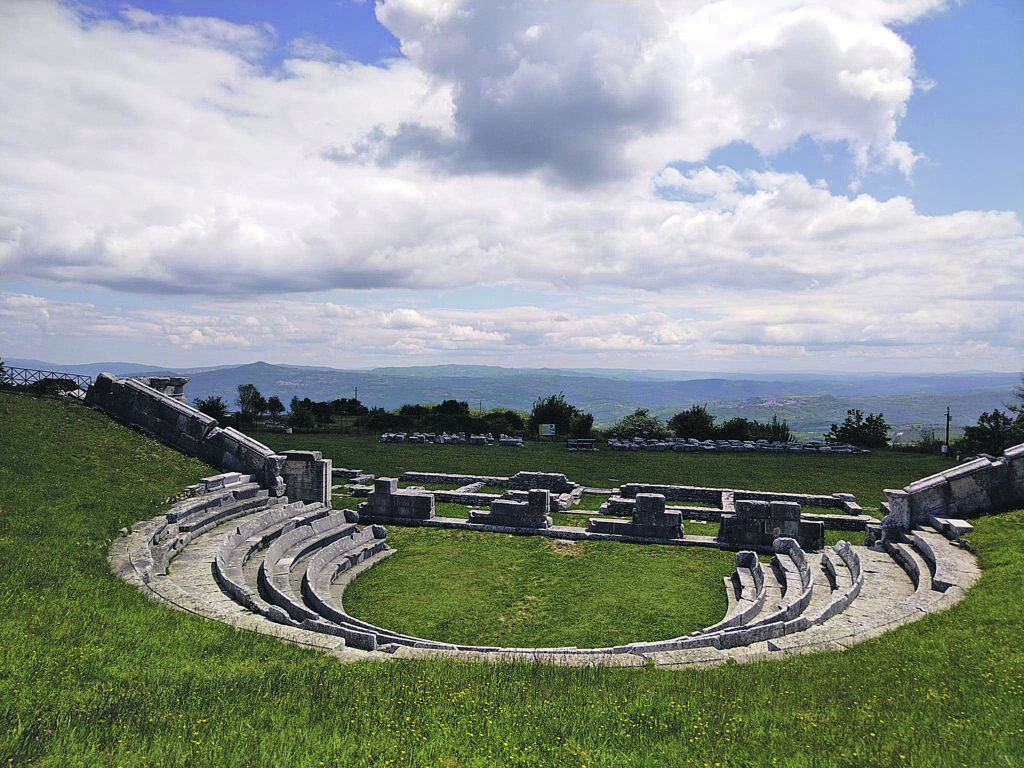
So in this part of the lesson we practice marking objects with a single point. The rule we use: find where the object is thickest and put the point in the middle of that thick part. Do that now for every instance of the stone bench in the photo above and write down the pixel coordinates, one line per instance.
(796, 577)
(942, 557)
(337, 560)
(233, 554)
(275, 569)
(748, 586)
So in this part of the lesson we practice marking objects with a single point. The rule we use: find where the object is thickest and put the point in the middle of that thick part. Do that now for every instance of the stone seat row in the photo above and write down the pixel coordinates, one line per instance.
(289, 563)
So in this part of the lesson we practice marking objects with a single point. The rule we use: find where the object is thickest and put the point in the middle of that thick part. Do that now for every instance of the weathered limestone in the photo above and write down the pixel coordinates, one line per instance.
(759, 523)
(650, 520)
(172, 386)
(980, 486)
(532, 513)
(521, 481)
(190, 431)
(386, 502)
(293, 588)
(307, 476)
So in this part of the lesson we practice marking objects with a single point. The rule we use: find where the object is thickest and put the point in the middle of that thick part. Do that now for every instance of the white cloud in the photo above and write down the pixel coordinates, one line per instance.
(604, 91)
(828, 328)
(154, 155)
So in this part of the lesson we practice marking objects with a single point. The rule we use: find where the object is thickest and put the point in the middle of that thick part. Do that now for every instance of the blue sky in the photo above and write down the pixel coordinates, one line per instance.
(784, 185)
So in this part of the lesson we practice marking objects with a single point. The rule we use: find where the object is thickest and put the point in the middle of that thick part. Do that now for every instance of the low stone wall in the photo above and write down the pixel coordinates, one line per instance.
(845, 502)
(521, 481)
(981, 486)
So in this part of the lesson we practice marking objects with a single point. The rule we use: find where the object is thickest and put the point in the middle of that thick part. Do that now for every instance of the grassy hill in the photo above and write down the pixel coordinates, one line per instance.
(92, 673)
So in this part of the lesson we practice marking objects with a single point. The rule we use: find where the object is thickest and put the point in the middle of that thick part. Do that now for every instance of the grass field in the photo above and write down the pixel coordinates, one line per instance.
(522, 591)
(91, 673)
(863, 476)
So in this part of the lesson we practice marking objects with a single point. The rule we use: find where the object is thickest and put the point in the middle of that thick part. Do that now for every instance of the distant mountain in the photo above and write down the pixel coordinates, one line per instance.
(809, 402)
(88, 369)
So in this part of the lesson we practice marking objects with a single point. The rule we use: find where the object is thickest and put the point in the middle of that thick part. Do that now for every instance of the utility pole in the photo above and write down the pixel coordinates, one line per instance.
(356, 398)
(946, 446)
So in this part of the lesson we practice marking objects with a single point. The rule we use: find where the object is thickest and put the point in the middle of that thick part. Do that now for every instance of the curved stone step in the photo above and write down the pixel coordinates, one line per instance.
(846, 596)
(799, 587)
(845, 572)
(287, 550)
(949, 565)
(341, 559)
(749, 585)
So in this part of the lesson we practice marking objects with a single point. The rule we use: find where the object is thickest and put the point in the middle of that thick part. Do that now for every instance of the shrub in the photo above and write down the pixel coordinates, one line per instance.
(552, 410)
(870, 432)
(212, 406)
(640, 423)
(581, 424)
(697, 422)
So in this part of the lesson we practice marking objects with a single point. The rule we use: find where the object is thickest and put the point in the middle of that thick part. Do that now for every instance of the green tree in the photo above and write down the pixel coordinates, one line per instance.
(639, 423)
(870, 432)
(696, 422)
(581, 424)
(993, 433)
(275, 407)
(250, 402)
(301, 414)
(553, 409)
(213, 406)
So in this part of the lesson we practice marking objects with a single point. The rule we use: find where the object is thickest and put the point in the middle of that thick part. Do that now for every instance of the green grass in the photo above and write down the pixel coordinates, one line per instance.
(863, 476)
(591, 501)
(101, 676)
(854, 537)
(429, 486)
(524, 591)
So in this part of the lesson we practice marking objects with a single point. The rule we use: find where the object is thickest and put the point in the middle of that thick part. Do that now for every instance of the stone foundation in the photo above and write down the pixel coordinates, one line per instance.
(758, 524)
(650, 520)
(387, 502)
(509, 513)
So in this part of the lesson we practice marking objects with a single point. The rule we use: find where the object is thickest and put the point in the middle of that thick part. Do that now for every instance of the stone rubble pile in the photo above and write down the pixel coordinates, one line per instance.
(692, 445)
(453, 439)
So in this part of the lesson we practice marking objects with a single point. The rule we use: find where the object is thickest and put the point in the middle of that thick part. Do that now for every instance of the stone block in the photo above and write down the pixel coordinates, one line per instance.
(899, 508)
(785, 510)
(539, 501)
(812, 534)
(650, 509)
(302, 456)
(748, 508)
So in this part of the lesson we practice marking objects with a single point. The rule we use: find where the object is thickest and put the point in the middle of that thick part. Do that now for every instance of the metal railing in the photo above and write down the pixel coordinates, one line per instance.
(11, 376)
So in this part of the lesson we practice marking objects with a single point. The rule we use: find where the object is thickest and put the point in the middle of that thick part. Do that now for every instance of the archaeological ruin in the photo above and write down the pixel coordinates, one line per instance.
(259, 546)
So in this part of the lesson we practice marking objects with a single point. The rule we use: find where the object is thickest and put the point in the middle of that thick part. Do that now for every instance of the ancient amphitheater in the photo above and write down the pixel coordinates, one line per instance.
(259, 547)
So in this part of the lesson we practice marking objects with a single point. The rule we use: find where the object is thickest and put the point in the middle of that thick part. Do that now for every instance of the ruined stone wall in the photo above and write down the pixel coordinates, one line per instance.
(980, 486)
(308, 476)
(179, 425)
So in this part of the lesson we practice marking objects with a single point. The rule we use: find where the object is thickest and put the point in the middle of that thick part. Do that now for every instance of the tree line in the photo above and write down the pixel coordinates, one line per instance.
(995, 430)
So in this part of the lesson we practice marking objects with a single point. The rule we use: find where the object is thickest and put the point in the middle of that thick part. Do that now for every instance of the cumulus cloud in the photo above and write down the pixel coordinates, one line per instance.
(526, 145)
(586, 92)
